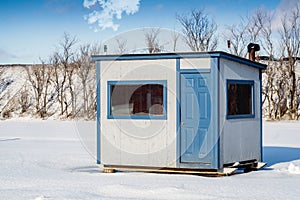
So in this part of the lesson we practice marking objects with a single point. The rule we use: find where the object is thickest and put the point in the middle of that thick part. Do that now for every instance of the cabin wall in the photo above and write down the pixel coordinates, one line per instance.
(240, 139)
(194, 63)
(138, 142)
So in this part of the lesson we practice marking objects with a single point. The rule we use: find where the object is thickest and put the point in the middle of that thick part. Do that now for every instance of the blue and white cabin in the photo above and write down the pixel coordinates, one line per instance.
(185, 111)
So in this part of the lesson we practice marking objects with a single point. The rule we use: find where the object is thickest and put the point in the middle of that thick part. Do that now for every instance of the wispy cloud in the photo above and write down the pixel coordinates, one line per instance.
(110, 11)
(159, 7)
(89, 3)
(6, 55)
(59, 6)
(283, 10)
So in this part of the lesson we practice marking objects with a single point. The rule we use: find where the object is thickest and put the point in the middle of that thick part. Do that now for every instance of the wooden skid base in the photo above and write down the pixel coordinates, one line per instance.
(260, 165)
(229, 169)
(202, 172)
(247, 166)
(109, 170)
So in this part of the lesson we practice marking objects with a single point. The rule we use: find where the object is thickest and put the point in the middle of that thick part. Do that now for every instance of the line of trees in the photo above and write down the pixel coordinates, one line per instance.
(67, 81)
(280, 44)
(64, 86)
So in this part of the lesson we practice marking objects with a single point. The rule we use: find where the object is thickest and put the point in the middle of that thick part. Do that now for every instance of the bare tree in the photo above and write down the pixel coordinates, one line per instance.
(35, 77)
(281, 85)
(24, 99)
(47, 86)
(8, 102)
(274, 89)
(9, 106)
(92, 106)
(258, 28)
(86, 73)
(290, 40)
(39, 77)
(1, 83)
(264, 21)
(64, 70)
(71, 98)
(199, 31)
(175, 38)
(253, 27)
(238, 39)
(1, 73)
(152, 42)
(56, 79)
(121, 45)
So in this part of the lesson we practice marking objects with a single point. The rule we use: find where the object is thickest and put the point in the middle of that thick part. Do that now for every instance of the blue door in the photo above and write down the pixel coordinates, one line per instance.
(195, 118)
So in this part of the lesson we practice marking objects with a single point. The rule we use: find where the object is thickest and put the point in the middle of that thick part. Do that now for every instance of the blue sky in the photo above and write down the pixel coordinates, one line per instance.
(32, 29)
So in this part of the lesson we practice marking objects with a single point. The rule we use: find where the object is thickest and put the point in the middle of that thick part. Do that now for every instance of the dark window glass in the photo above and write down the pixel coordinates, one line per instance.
(136, 99)
(240, 99)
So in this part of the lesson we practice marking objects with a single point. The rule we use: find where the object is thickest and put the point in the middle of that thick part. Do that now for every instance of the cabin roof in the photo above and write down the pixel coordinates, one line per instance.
(212, 54)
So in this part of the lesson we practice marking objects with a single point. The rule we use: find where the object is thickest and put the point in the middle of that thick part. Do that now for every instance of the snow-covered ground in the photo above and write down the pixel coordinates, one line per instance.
(55, 160)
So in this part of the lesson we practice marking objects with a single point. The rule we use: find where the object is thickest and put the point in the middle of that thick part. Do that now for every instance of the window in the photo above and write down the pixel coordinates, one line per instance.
(240, 99)
(137, 99)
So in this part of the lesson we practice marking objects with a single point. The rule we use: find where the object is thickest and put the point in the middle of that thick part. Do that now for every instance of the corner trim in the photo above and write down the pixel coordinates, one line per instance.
(98, 101)
(260, 110)
(178, 113)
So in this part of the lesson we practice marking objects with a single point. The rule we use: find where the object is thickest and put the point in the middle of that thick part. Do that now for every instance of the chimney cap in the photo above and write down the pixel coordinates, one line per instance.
(253, 46)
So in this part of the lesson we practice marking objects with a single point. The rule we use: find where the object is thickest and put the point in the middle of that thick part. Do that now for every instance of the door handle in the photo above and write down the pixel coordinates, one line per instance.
(182, 123)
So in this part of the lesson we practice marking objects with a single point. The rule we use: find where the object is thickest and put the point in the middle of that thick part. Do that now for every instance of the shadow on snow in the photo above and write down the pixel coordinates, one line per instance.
(274, 155)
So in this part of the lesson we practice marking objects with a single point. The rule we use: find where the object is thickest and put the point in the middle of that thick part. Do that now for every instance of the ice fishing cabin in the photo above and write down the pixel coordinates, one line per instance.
(183, 112)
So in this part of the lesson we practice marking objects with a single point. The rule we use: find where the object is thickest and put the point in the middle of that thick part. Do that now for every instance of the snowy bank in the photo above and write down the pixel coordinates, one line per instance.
(55, 160)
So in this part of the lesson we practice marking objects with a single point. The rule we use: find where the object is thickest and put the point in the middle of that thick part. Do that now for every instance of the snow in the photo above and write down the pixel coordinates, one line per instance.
(44, 160)
(293, 169)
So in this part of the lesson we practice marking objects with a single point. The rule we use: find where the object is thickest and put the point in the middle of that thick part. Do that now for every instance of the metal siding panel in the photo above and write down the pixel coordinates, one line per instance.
(98, 111)
(178, 118)
(160, 149)
(215, 113)
(194, 63)
(240, 137)
(260, 110)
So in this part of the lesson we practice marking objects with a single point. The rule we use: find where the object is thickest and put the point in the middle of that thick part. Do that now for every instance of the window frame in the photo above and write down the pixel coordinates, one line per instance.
(246, 82)
(137, 82)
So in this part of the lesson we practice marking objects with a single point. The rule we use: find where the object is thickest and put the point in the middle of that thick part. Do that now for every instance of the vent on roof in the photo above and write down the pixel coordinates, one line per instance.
(252, 48)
